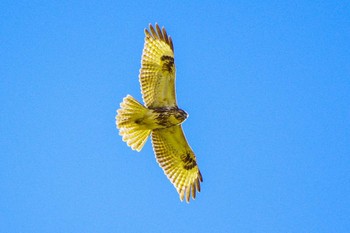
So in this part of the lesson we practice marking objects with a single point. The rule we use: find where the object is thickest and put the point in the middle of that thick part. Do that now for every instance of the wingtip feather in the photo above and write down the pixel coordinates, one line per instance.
(156, 32)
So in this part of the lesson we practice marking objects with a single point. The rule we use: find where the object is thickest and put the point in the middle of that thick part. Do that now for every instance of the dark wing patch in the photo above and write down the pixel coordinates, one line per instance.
(188, 161)
(167, 63)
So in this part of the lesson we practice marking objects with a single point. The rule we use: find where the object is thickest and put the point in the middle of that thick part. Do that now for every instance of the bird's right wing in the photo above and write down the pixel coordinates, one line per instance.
(157, 73)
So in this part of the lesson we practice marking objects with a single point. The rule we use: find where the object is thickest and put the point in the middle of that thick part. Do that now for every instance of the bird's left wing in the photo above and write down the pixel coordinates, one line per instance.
(157, 73)
(177, 160)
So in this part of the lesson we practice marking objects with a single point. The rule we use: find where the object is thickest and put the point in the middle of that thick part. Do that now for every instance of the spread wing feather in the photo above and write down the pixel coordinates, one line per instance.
(177, 160)
(157, 73)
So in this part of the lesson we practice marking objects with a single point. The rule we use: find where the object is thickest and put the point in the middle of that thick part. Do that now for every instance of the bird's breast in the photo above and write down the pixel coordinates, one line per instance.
(168, 116)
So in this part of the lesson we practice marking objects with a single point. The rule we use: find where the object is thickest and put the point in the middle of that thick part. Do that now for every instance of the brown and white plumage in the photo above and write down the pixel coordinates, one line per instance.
(177, 159)
(157, 73)
(160, 116)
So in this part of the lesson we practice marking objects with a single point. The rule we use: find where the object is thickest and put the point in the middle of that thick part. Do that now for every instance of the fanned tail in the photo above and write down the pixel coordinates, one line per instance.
(128, 116)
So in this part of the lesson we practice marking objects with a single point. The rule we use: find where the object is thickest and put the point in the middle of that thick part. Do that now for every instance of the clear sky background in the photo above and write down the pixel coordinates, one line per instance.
(266, 85)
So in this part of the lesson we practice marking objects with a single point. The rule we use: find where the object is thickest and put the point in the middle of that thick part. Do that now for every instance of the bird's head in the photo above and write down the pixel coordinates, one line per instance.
(181, 115)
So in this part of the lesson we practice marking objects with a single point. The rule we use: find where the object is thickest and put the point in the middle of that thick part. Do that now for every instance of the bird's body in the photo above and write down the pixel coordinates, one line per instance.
(160, 117)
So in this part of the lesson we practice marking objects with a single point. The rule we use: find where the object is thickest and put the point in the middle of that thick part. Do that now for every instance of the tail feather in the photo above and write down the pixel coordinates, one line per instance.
(128, 114)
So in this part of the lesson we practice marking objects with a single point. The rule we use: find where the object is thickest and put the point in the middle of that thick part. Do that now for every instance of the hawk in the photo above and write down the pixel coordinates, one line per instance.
(160, 116)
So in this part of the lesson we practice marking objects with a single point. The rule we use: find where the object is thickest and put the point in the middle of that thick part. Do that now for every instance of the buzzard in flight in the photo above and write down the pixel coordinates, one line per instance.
(160, 116)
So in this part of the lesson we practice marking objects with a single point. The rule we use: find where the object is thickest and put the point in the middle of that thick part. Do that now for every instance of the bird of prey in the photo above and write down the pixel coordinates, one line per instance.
(160, 116)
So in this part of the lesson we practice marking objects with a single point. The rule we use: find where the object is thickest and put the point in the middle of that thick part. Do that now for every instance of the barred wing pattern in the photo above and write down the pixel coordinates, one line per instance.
(177, 160)
(157, 73)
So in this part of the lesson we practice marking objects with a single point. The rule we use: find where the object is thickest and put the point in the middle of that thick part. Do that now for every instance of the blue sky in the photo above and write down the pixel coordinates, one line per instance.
(266, 85)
